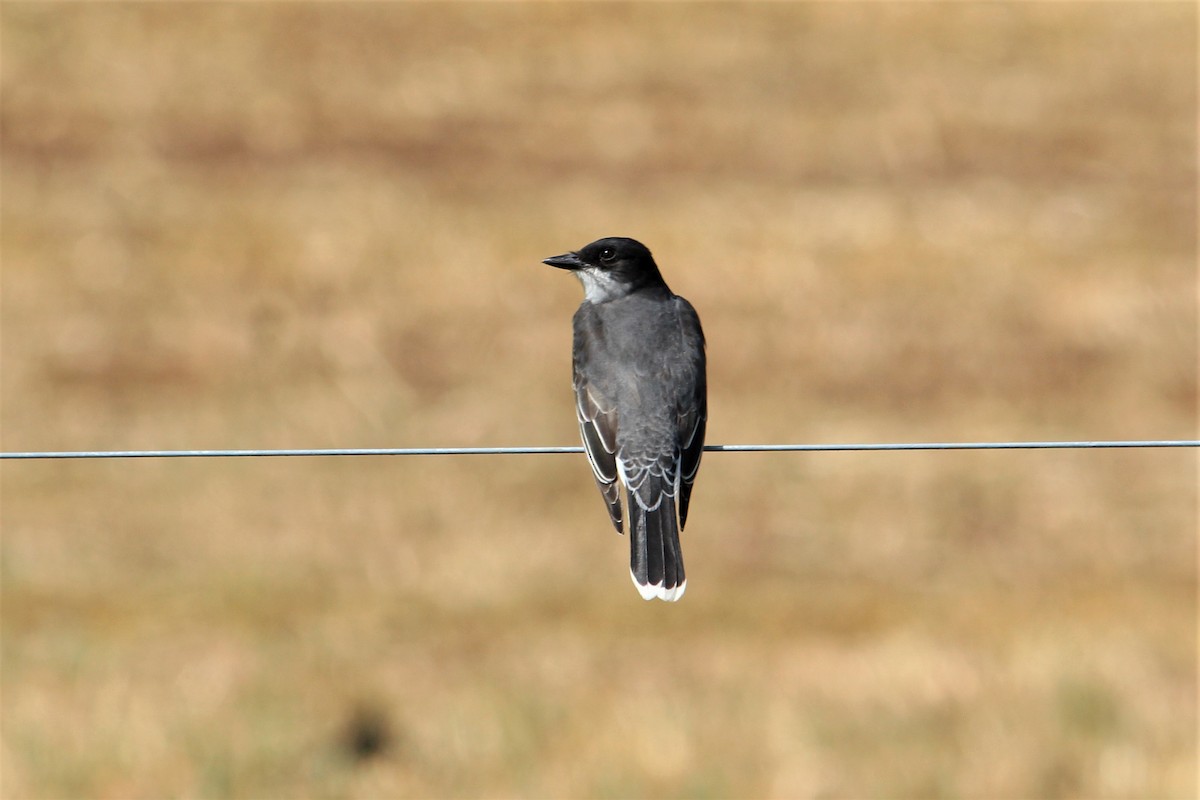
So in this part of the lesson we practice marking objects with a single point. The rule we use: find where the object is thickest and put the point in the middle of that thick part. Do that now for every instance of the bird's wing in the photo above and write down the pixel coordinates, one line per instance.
(691, 442)
(598, 428)
(693, 414)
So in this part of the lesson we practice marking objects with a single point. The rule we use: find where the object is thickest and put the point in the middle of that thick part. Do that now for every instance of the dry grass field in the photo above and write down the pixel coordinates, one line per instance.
(268, 225)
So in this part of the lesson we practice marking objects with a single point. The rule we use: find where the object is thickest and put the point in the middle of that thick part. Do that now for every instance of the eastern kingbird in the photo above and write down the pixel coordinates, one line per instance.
(641, 400)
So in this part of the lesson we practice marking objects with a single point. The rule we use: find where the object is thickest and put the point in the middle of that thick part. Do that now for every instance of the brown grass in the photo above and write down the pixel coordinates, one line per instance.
(268, 225)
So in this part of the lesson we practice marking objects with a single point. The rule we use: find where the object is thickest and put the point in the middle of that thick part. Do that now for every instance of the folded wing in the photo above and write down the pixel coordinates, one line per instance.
(598, 428)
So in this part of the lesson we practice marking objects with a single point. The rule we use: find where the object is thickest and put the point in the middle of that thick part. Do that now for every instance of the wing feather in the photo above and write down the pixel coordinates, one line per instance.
(692, 419)
(598, 429)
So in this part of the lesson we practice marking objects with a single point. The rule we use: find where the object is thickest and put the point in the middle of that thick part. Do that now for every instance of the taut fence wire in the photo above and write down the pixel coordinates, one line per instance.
(528, 451)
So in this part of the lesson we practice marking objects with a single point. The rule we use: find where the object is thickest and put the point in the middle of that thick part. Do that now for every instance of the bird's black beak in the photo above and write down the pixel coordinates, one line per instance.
(565, 261)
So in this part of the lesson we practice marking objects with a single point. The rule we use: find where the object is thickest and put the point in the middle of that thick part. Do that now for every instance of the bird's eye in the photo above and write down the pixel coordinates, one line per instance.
(607, 255)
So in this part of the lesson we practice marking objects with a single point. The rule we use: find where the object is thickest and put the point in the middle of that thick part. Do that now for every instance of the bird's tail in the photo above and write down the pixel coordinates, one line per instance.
(655, 558)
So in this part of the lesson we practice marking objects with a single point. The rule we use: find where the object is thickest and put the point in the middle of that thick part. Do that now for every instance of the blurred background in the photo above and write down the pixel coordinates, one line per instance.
(321, 225)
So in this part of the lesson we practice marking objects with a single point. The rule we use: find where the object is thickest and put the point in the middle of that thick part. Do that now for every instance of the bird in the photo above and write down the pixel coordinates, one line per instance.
(641, 399)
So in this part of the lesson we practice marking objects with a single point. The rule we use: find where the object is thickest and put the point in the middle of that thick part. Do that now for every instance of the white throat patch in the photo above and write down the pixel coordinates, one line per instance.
(599, 286)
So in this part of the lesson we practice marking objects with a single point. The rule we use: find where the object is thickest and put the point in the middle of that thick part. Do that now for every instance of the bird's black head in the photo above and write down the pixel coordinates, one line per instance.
(611, 267)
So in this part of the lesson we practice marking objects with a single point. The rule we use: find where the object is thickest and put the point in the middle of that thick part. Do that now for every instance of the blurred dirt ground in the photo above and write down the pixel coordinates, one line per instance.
(320, 225)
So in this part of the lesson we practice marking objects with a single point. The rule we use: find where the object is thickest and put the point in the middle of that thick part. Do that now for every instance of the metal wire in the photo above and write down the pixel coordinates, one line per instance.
(494, 451)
